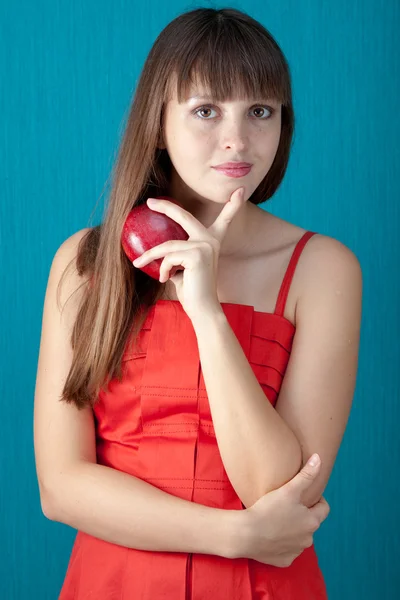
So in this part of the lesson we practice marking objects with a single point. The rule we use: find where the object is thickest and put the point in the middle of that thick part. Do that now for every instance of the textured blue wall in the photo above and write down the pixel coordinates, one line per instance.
(68, 70)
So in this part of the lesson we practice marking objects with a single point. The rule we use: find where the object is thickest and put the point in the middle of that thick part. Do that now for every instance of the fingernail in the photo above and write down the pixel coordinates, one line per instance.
(314, 460)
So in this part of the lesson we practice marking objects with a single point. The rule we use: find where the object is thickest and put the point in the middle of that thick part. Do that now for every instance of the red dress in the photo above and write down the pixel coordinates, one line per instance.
(156, 424)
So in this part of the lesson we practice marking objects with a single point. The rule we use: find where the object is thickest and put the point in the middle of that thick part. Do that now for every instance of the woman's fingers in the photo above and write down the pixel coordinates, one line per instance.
(220, 226)
(163, 249)
(320, 510)
(186, 220)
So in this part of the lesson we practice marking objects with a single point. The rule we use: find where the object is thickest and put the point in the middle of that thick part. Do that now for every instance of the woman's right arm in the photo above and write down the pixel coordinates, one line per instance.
(125, 510)
(104, 502)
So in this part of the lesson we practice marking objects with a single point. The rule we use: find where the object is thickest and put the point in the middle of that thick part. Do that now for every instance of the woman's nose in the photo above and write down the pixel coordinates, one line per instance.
(235, 137)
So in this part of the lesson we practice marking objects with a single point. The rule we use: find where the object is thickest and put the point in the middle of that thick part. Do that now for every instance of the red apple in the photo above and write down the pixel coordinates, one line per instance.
(145, 228)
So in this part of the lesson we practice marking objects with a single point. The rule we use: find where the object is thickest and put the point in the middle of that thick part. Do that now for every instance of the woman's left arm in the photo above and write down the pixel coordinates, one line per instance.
(263, 447)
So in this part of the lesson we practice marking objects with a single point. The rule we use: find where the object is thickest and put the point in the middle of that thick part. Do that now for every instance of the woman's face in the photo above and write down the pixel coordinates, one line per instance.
(200, 134)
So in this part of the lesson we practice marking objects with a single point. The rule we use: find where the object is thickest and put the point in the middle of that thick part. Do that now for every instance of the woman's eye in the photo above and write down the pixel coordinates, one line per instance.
(264, 108)
(203, 109)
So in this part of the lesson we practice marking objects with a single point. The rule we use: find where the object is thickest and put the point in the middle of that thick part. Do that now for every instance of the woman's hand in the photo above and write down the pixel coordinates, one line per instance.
(196, 285)
(278, 527)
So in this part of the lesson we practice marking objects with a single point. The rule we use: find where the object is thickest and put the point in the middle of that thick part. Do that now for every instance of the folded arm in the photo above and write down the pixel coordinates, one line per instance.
(263, 447)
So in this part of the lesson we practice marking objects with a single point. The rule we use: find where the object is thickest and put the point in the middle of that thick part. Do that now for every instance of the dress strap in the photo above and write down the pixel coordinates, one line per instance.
(287, 280)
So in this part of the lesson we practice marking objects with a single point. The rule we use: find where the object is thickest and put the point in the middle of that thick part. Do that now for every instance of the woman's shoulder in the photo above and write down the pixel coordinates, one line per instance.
(84, 245)
(324, 261)
(321, 256)
(325, 257)
(71, 257)
(71, 244)
(282, 233)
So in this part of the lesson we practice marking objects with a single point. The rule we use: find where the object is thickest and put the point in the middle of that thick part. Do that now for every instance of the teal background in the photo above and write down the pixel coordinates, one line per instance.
(68, 70)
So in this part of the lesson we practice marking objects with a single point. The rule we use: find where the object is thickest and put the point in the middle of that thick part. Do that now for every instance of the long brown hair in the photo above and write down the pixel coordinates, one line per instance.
(232, 56)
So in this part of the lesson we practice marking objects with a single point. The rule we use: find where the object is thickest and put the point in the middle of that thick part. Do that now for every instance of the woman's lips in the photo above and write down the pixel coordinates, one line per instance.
(238, 172)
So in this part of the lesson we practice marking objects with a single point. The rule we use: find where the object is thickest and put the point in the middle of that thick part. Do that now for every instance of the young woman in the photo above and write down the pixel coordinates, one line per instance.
(174, 418)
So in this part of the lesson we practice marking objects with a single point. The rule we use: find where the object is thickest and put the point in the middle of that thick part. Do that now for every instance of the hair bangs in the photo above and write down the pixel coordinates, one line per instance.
(231, 67)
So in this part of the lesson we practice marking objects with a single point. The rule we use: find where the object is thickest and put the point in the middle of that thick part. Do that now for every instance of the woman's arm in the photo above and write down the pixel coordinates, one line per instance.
(74, 489)
(122, 509)
(259, 451)
(262, 447)
(96, 499)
